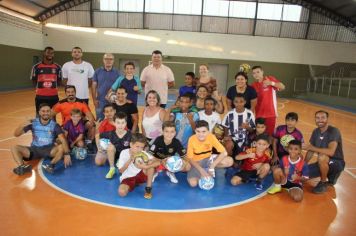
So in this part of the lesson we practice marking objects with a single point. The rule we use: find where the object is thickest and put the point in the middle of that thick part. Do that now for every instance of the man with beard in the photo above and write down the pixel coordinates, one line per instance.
(326, 147)
(46, 77)
(44, 133)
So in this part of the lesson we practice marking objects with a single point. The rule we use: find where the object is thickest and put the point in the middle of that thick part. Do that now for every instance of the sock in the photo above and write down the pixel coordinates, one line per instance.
(277, 185)
(148, 189)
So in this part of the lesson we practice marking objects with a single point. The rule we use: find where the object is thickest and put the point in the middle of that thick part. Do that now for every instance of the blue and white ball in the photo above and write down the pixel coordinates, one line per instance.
(174, 164)
(104, 143)
(206, 183)
(80, 153)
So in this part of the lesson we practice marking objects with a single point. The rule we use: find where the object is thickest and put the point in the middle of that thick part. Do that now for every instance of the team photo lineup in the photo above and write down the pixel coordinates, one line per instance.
(200, 132)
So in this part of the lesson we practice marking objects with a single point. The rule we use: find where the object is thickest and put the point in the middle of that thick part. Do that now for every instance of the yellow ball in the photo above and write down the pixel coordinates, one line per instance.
(285, 140)
(245, 68)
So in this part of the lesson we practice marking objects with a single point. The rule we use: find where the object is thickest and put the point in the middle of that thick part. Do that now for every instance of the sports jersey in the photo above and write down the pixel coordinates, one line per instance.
(47, 76)
(43, 135)
(106, 126)
(73, 130)
(266, 106)
(183, 127)
(104, 79)
(129, 84)
(65, 107)
(119, 143)
(299, 167)
(248, 163)
(187, 89)
(233, 121)
(212, 119)
(282, 133)
(199, 150)
(161, 150)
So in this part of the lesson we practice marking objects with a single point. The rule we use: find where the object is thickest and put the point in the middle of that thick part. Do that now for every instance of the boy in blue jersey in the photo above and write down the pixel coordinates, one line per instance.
(44, 133)
(184, 118)
(189, 86)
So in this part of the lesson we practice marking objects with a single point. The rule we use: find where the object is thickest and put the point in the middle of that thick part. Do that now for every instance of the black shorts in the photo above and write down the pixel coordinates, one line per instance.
(39, 152)
(51, 101)
(335, 168)
(246, 175)
(290, 185)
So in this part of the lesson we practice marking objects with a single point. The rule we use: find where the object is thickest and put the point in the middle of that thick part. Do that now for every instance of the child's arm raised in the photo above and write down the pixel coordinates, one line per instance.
(245, 156)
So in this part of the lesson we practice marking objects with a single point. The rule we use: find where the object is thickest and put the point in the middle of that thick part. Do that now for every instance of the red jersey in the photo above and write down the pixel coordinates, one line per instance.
(249, 162)
(47, 76)
(64, 107)
(106, 126)
(266, 106)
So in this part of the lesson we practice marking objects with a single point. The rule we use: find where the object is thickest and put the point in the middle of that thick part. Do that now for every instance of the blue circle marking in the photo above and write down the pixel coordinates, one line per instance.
(86, 181)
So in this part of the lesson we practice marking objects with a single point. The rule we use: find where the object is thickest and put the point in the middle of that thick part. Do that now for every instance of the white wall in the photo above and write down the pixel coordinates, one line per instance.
(207, 45)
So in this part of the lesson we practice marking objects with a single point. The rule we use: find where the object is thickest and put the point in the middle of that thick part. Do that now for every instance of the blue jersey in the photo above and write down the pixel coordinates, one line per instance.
(104, 79)
(299, 168)
(186, 89)
(129, 85)
(183, 127)
(43, 135)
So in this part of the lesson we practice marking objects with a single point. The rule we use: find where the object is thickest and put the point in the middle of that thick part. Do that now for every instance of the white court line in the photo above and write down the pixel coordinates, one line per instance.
(4, 149)
(13, 137)
(351, 168)
(350, 173)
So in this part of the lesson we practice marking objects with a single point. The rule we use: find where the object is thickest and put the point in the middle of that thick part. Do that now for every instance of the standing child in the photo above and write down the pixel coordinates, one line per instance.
(189, 86)
(255, 163)
(74, 129)
(134, 173)
(209, 114)
(292, 172)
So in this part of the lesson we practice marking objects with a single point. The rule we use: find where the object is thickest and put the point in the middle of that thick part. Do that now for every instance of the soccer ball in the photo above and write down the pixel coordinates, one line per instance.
(285, 139)
(104, 143)
(245, 68)
(112, 97)
(174, 163)
(80, 153)
(206, 183)
(141, 158)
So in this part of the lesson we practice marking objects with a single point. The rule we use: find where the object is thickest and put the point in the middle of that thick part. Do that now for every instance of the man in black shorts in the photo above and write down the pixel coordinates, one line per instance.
(326, 146)
(44, 132)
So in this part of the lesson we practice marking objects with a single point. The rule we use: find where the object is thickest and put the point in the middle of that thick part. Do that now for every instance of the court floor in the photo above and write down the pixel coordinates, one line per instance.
(30, 206)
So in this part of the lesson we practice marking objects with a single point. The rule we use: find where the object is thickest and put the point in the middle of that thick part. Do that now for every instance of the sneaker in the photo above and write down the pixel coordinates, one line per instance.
(332, 179)
(111, 173)
(49, 168)
(259, 186)
(274, 189)
(321, 187)
(154, 176)
(22, 169)
(172, 177)
(148, 193)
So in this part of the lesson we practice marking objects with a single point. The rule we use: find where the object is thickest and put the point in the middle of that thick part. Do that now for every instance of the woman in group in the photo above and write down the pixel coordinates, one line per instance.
(202, 93)
(243, 88)
(206, 80)
(153, 116)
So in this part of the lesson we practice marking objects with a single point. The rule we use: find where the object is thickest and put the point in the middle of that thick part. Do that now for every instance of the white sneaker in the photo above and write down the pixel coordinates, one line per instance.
(172, 177)
(154, 176)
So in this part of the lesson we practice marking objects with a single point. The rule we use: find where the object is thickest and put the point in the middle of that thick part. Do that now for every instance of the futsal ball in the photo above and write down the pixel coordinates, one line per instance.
(141, 158)
(285, 140)
(104, 143)
(245, 68)
(206, 183)
(112, 97)
(174, 163)
(80, 153)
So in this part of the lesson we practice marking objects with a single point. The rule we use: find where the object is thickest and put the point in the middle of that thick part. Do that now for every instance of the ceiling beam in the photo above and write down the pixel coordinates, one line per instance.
(36, 4)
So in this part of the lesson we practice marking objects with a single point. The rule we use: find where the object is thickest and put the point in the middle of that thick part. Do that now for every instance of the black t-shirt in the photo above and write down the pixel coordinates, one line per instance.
(129, 109)
(249, 94)
(322, 140)
(119, 143)
(161, 150)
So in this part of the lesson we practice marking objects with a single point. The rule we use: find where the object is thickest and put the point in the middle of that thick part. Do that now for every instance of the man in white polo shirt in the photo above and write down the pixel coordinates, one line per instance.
(157, 77)
(78, 73)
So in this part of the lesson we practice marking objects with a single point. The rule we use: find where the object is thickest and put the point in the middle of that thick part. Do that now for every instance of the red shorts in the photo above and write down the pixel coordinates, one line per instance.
(132, 182)
(270, 123)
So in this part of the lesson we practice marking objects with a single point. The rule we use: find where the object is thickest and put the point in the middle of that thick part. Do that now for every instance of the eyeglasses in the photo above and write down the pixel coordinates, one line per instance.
(110, 59)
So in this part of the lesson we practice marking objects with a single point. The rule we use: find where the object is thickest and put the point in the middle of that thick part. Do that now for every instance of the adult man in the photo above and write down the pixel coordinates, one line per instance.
(129, 108)
(326, 146)
(44, 132)
(46, 76)
(66, 105)
(266, 87)
(78, 73)
(103, 79)
(157, 77)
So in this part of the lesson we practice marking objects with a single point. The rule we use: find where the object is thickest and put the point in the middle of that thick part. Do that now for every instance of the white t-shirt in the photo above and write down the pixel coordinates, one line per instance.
(157, 79)
(78, 75)
(131, 170)
(212, 119)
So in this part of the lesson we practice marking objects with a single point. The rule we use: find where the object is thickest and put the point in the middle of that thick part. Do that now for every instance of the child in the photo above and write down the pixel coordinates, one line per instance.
(238, 123)
(184, 119)
(106, 125)
(166, 146)
(134, 174)
(255, 163)
(209, 114)
(74, 129)
(283, 134)
(189, 84)
(119, 140)
(292, 172)
(199, 154)
(129, 81)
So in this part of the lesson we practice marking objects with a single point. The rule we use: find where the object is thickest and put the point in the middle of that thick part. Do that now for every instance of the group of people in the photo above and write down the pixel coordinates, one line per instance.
(246, 141)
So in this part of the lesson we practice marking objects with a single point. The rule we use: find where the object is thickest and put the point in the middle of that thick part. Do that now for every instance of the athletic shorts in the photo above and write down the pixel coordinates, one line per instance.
(205, 163)
(335, 168)
(246, 175)
(134, 181)
(289, 185)
(39, 152)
